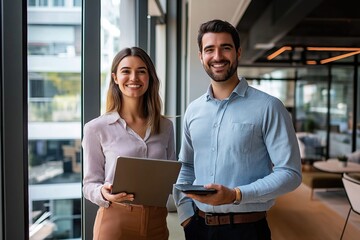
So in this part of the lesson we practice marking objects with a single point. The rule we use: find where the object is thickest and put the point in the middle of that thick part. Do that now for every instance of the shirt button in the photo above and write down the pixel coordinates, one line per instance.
(215, 125)
(213, 149)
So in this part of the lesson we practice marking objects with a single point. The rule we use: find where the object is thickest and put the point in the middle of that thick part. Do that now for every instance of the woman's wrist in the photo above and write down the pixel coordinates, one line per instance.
(102, 194)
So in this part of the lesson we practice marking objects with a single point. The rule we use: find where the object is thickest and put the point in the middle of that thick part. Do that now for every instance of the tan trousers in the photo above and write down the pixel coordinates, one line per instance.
(131, 222)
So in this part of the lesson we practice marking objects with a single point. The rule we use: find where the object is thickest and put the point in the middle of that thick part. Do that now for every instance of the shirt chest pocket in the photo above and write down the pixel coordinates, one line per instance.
(242, 136)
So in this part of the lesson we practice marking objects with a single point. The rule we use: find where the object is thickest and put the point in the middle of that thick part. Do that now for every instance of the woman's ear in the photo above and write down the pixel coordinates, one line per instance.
(113, 76)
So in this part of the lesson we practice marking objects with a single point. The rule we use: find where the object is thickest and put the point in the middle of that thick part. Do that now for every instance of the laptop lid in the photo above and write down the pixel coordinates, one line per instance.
(150, 180)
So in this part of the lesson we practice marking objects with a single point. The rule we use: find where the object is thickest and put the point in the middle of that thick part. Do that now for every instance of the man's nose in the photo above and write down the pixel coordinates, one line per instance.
(218, 54)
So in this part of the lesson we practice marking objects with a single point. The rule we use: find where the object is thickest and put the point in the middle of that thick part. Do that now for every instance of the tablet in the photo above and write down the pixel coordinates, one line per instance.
(150, 180)
(195, 189)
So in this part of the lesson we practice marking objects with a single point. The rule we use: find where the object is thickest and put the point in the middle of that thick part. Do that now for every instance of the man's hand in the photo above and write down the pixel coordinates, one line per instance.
(223, 195)
(186, 222)
(119, 197)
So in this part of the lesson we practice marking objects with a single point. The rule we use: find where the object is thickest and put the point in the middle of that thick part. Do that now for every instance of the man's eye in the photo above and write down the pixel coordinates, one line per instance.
(228, 48)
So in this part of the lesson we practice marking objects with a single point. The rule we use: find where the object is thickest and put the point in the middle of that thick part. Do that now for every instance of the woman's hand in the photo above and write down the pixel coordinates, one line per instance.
(119, 197)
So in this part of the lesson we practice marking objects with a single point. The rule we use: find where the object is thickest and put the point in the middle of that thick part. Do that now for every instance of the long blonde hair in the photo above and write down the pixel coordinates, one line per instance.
(151, 99)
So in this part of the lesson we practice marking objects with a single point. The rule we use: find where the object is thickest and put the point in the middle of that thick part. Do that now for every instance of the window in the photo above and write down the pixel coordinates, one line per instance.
(56, 40)
(38, 3)
(58, 3)
(54, 127)
(77, 3)
(31, 3)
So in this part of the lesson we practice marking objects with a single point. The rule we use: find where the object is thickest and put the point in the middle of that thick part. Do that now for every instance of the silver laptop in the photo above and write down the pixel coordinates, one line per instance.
(150, 180)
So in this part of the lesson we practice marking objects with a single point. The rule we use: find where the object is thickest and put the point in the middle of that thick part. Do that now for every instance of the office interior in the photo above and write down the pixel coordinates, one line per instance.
(55, 64)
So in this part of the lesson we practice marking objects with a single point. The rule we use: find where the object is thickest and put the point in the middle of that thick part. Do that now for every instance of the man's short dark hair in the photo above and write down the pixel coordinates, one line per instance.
(218, 26)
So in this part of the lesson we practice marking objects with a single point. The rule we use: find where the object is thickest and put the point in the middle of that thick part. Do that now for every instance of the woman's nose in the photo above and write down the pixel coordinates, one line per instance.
(133, 76)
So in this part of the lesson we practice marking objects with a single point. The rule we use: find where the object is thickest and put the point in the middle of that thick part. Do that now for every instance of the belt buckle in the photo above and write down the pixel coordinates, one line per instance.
(211, 220)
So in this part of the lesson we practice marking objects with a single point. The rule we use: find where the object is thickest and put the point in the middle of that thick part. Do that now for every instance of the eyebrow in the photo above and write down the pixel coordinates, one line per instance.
(221, 45)
(139, 68)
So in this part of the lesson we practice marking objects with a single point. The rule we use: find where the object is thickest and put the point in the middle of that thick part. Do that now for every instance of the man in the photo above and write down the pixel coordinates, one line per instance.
(237, 140)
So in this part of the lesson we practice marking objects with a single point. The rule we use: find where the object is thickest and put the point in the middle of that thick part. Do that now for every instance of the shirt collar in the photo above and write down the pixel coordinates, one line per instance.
(239, 90)
(113, 117)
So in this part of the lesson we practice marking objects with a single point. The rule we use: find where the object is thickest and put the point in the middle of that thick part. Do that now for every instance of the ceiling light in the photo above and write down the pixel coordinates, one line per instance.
(327, 60)
(332, 49)
(351, 51)
(278, 52)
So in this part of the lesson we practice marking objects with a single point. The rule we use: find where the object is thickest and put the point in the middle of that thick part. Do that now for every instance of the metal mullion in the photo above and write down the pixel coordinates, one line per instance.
(90, 88)
(141, 19)
(14, 163)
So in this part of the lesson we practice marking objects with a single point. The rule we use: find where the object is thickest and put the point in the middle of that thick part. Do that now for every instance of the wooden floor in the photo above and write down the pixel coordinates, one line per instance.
(296, 217)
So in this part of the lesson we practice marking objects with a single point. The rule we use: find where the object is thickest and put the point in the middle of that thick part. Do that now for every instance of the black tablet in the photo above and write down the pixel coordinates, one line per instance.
(195, 189)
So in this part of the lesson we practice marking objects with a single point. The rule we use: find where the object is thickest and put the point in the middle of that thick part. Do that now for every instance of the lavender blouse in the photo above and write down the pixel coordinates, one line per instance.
(107, 137)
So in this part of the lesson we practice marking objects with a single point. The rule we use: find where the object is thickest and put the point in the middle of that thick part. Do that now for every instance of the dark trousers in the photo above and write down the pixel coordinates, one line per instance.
(196, 229)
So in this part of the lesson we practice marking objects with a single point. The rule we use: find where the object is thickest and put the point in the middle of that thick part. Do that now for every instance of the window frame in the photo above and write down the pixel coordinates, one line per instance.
(14, 164)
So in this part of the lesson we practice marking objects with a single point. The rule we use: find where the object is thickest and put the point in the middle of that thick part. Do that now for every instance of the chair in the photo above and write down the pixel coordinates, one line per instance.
(316, 179)
(352, 188)
(354, 156)
(310, 146)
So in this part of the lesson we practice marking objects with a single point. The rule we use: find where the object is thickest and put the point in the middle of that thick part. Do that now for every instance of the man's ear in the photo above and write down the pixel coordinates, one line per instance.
(200, 57)
(238, 53)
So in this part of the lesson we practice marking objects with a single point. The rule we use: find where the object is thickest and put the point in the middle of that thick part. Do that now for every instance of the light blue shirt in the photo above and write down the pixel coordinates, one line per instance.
(246, 141)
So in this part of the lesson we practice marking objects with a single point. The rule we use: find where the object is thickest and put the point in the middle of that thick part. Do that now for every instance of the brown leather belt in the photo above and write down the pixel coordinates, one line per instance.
(214, 219)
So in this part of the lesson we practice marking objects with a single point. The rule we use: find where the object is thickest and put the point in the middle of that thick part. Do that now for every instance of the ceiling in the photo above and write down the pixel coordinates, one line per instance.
(268, 25)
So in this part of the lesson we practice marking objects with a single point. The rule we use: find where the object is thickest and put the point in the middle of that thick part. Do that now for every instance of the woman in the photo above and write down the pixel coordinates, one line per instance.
(132, 126)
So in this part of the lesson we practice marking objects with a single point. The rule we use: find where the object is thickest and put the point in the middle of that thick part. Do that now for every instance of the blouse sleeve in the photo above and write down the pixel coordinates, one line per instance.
(94, 166)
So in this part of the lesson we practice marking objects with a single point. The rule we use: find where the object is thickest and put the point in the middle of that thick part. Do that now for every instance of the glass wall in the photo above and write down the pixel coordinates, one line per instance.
(341, 111)
(278, 82)
(314, 98)
(54, 115)
(320, 100)
(311, 99)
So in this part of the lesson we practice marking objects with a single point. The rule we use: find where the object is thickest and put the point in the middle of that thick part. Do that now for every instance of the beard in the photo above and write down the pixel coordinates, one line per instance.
(221, 77)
